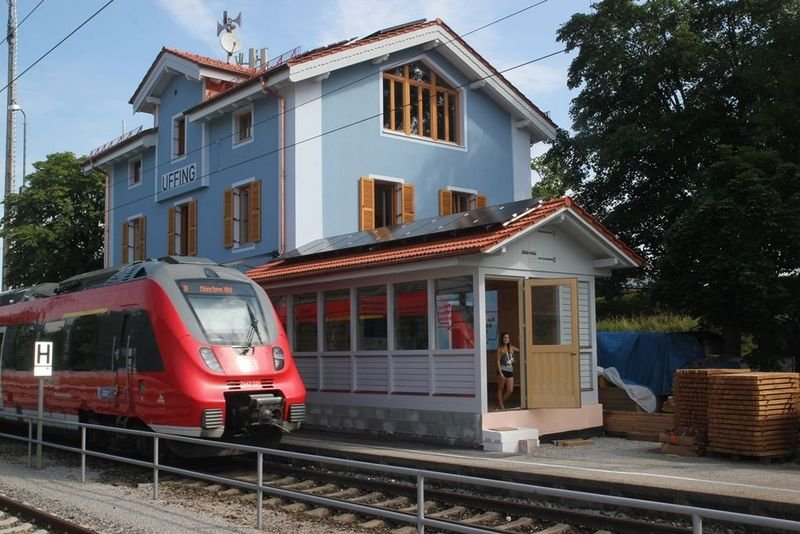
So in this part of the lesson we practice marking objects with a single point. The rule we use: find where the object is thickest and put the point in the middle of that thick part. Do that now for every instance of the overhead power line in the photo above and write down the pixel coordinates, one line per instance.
(339, 128)
(70, 34)
(339, 88)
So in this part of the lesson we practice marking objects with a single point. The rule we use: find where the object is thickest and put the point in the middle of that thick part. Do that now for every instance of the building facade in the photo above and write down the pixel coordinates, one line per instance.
(244, 163)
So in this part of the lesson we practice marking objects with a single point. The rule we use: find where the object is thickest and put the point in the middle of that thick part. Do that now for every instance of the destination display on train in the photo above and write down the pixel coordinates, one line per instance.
(214, 287)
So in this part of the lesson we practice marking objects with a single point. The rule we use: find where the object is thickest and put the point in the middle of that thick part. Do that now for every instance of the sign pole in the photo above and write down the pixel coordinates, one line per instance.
(39, 424)
(42, 367)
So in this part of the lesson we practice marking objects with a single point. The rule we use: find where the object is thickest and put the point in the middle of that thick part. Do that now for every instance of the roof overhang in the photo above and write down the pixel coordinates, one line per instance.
(168, 66)
(450, 46)
(123, 152)
(607, 253)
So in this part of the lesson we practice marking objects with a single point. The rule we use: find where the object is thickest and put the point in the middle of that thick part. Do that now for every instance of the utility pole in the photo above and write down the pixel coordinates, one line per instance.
(10, 130)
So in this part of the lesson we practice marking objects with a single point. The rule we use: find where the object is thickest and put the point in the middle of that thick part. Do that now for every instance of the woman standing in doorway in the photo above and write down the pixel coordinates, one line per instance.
(505, 369)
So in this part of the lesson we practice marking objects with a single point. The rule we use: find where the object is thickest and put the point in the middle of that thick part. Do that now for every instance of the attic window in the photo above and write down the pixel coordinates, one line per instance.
(419, 102)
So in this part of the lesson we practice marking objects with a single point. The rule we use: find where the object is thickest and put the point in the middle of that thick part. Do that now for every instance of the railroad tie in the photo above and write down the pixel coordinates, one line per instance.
(393, 503)
(485, 517)
(295, 507)
(24, 527)
(429, 505)
(7, 522)
(304, 485)
(455, 510)
(344, 494)
(373, 524)
(319, 513)
(405, 530)
(521, 522)
(560, 528)
(283, 481)
(273, 502)
(327, 488)
(345, 519)
(374, 496)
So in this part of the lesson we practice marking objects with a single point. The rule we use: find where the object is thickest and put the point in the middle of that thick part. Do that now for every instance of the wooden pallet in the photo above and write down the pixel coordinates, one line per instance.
(637, 425)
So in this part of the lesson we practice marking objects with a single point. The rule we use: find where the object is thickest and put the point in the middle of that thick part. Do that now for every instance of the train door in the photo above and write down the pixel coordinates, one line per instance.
(2, 337)
(552, 370)
(124, 364)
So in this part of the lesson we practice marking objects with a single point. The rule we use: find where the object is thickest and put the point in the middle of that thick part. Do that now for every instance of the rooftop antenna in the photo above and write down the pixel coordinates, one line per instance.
(229, 41)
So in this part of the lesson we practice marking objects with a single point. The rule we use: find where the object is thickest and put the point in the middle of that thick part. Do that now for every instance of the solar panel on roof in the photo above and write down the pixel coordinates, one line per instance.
(416, 230)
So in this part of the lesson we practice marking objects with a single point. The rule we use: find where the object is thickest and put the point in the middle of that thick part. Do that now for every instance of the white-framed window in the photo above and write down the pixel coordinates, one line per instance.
(384, 201)
(134, 234)
(178, 136)
(135, 172)
(242, 214)
(456, 200)
(419, 102)
(243, 126)
(182, 229)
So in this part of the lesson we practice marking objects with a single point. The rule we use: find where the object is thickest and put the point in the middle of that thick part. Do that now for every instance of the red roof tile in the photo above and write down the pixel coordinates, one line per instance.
(442, 246)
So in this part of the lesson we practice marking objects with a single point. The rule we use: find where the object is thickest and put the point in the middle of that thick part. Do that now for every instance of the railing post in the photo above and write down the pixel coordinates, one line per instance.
(83, 455)
(155, 467)
(697, 524)
(260, 493)
(420, 504)
(30, 443)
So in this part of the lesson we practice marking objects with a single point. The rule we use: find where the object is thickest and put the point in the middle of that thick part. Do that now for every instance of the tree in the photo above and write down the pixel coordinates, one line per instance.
(685, 123)
(54, 226)
(551, 178)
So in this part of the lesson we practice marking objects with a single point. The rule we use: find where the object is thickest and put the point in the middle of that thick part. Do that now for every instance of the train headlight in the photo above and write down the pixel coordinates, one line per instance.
(210, 359)
(278, 359)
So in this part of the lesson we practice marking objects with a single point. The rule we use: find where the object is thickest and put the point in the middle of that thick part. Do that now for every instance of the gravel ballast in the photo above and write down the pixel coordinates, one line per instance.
(107, 506)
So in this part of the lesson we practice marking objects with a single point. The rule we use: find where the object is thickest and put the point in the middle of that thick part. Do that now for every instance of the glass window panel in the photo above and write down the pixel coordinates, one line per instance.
(399, 122)
(280, 303)
(387, 103)
(419, 71)
(414, 105)
(372, 318)
(305, 323)
(426, 113)
(552, 315)
(411, 315)
(337, 320)
(454, 313)
(440, 112)
(452, 117)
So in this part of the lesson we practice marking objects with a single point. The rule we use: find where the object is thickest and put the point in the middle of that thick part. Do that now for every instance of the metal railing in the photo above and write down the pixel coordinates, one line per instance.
(422, 477)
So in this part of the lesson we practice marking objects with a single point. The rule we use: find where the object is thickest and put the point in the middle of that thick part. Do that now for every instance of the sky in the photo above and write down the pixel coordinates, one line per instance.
(76, 98)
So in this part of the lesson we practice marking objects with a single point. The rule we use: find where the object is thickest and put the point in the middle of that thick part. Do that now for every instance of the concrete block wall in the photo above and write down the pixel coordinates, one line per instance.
(453, 428)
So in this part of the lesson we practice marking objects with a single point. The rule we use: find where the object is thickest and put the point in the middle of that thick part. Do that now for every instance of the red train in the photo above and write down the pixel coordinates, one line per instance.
(179, 345)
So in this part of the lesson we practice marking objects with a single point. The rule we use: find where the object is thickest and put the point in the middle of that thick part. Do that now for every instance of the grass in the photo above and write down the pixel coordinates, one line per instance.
(663, 322)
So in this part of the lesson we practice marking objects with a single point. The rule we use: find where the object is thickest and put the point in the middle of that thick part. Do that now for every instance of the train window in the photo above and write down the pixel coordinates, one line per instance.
(140, 332)
(108, 339)
(83, 334)
(54, 332)
(24, 340)
(228, 312)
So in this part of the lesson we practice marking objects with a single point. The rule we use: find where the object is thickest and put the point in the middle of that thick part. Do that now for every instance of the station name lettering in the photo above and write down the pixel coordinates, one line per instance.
(178, 177)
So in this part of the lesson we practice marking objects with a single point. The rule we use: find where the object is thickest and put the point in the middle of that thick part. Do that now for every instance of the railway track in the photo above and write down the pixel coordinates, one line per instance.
(22, 518)
(457, 507)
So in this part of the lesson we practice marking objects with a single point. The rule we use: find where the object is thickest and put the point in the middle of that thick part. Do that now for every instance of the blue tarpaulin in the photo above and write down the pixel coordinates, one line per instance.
(649, 359)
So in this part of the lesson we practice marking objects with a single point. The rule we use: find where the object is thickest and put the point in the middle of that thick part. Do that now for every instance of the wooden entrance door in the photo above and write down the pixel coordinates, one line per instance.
(552, 370)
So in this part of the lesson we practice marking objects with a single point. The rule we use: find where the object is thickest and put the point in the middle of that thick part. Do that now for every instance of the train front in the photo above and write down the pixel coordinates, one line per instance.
(242, 379)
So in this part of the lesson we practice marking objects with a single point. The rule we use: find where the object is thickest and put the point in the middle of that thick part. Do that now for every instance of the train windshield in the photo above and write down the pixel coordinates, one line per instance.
(229, 312)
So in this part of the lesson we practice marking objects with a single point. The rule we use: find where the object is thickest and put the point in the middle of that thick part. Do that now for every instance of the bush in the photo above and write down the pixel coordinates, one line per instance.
(662, 322)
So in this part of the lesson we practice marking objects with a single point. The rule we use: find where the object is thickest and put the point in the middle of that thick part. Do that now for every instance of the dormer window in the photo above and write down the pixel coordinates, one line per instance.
(419, 102)
(178, 136)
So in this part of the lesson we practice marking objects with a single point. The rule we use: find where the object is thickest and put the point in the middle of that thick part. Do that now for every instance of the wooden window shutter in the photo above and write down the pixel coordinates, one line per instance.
(407, 203)
(125, 242)
(366, 216)
(480, 201)
(227, 219)
(142, 238)
(254, 231)
(191, 241)
(171, 232)
(445, 202)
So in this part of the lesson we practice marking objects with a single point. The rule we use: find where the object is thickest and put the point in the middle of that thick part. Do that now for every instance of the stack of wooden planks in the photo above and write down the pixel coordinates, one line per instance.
(690, 394)
(754, 414)
(641, 426)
